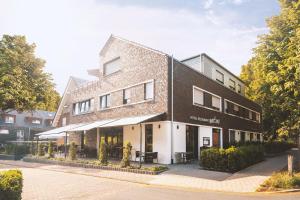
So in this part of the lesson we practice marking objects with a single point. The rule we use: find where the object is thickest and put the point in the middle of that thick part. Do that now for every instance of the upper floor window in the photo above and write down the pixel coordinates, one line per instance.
(64, 121)
(232, 84)
(111, 66)
(83, 106)
(239, 88)
(219, 76)
(36, 121)
(216, 102)
(9, 119)
(198, 97)
(149, 90)
(235, 108)
(105, 101)
(126, 96)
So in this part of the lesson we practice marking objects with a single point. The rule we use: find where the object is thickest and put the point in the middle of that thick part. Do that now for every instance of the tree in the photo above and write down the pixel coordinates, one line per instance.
(50, 149)
(103, 153)
(273, 73)
(72, 151)
(126, 155)
(23, 84)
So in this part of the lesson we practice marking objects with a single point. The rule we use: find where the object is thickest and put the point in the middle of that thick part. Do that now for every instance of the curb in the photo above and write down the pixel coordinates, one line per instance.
(281, 191)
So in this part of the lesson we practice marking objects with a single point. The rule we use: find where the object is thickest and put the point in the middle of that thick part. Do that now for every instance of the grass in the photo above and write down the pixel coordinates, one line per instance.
(282, 181)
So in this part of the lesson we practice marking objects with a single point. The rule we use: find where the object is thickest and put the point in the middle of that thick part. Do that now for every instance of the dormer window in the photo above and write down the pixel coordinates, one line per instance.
(219, 77)
(232, 84)
(111, 66)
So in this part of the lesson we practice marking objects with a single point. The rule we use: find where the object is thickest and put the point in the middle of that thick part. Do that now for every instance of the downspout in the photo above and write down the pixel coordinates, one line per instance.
(141, 140)
(172, 106)
(66, 141)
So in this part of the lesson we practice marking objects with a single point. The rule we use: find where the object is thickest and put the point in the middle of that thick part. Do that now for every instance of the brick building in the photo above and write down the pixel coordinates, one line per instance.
(171, 106)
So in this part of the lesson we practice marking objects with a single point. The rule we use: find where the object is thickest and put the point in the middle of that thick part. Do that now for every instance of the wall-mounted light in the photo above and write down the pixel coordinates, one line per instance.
(177, 126)
(132, 128)
(158, 125)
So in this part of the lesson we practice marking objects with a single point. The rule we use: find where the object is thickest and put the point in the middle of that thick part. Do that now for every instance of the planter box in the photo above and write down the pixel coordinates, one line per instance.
(74, 164)
(10, 157)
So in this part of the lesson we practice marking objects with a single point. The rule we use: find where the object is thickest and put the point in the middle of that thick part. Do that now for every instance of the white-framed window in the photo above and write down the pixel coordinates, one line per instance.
(220, 76)
(9, 119)
(216, 102)
(83, 106)
(235, 107)
(64, 121)
(4, 131)
(149, 90)
(232, 84)
(112, 66)
(105, 101)
(126, 96)
(198, 96)
(20, 135)
(36, 121)
(239, 89)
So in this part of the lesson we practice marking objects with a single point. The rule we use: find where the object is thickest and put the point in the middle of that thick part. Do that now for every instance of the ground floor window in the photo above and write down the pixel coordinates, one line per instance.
(192, 140)
(232, 136)
(113, 137)
(149, 138)
(216, 135)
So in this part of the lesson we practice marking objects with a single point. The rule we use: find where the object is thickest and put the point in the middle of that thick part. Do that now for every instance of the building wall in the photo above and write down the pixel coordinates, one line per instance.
(138, 65)
(184, 80)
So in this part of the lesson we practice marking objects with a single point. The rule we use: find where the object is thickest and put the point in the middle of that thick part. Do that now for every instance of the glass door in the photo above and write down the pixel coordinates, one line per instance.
(216, 133)
(192, 140)
(148, 138)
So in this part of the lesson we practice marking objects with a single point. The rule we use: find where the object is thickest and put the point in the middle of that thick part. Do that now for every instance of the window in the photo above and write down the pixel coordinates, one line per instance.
(198, 97)
(149, 89)
(251, 136)
(216, 102)
(4, 131)
(219, 76)
(9, 119)
(64, 121)
(231, 84)
(235, 108)
(105, 101)
(231, 136)
(20, 135)
(36, 121)
(111, 67)
(83, 106)
(258, 136)
(258, 117)
(126, 96)
(239, 90)
(250, 115)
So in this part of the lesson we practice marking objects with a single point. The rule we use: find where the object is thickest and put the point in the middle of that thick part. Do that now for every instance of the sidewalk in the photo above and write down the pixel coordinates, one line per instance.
(187, 176)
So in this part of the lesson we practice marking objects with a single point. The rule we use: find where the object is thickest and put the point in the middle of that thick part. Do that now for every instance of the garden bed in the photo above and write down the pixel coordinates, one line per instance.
(154, 170)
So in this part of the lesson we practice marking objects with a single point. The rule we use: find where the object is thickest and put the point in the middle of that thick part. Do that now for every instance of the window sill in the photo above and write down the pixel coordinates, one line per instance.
(242, 117)
(124, 105)
(202, 106)
(83, 113)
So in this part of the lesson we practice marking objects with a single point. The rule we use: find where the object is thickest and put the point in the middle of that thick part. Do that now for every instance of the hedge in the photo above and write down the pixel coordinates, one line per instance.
(274, 147)
(231, 159)
(11, 184)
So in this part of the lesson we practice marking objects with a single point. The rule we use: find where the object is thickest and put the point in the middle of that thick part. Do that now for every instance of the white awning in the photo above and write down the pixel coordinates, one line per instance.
(130, 120)
(92, 125)
(61, 129)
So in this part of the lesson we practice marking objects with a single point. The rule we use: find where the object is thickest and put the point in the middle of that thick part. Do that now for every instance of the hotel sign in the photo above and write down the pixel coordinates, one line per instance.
(201, 119)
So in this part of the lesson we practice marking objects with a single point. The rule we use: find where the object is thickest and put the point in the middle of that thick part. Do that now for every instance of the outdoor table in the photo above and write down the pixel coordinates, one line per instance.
(185, 157)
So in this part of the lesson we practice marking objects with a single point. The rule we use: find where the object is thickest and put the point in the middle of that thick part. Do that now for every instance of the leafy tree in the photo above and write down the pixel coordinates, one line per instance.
(125, 162)
(273, 74)
(23, 84)
(103, 153)
(72, 151)
(50, 149)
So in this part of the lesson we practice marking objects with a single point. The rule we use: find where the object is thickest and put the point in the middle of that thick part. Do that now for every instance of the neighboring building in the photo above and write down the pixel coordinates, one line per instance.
(134, 89)
(15, 126)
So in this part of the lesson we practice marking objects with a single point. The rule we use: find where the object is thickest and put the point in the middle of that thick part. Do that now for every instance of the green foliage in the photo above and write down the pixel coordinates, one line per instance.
(11, 184)
(72, 151)
(231, 159)
(40, 150)
(281, 180)
(272, 147)
(50, 149)
(103, 153)
(23, 84)
(13, 149)
(273, 74)
(126, 155)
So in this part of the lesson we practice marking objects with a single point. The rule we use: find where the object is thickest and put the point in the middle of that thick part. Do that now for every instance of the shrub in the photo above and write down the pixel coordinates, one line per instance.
(50, 149)
(72, 151)
(11, 184)
(281, 180)
(126, 155)
(273, 147)
(40, 150)
(103, 153)
(231, 159)
(16, 149)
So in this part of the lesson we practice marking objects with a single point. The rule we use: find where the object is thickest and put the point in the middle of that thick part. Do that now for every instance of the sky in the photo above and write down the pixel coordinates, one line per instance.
(69, 34)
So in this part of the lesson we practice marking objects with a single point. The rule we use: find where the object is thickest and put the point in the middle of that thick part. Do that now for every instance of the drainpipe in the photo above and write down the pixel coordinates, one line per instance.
(172, 106)
(66, 145)
(140, 161)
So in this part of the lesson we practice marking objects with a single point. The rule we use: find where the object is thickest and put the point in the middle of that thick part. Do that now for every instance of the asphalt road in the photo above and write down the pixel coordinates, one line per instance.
(41, 184)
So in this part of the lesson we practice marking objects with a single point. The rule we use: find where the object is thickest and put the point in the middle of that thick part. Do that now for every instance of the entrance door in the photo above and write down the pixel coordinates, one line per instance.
(216, 137)
(149, 138)
(192, 140)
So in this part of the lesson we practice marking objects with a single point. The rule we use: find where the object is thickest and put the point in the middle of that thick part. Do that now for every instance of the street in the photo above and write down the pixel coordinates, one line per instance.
(42, 184)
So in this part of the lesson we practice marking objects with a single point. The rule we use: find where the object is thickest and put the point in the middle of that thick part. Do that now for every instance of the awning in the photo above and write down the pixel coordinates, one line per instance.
(60, 129)
(130, 120)
(92, 125)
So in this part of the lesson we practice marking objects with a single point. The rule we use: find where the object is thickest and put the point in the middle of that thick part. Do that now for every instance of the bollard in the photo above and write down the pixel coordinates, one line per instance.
(290, 164)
